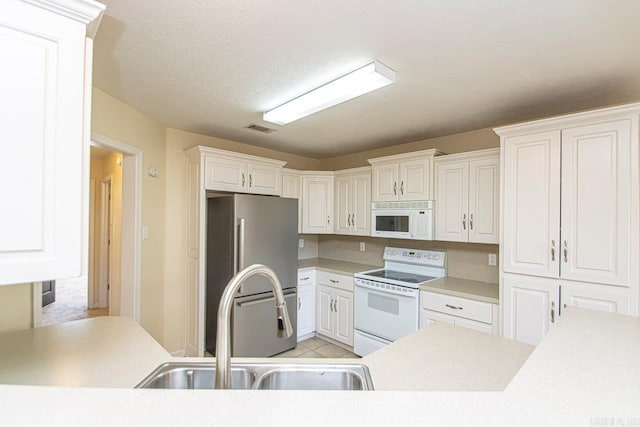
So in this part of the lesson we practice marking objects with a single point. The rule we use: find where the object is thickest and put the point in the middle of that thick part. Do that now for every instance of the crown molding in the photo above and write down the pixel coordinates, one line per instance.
(87, 12)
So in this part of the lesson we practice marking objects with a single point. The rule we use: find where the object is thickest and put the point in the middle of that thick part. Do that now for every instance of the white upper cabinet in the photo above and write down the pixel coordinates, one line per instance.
(571, 203)
(531, 204)
(45, 99)
(291, 189)
(467, 197)
(353, 202)
(406, 176)
(317, 203)
(241, 173)
(596, 202)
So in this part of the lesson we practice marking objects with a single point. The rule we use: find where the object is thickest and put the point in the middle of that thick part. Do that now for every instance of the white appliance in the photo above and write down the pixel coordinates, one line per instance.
(403, 220)
(386, 301)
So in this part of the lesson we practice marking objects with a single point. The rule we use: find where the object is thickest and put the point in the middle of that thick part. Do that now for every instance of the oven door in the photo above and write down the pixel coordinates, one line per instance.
(386, 315)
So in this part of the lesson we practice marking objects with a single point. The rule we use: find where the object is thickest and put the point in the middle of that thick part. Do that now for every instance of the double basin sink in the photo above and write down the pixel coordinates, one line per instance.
(261, 376)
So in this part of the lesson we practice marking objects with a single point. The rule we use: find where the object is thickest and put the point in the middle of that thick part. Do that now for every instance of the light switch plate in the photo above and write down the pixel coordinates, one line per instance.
(492, 259)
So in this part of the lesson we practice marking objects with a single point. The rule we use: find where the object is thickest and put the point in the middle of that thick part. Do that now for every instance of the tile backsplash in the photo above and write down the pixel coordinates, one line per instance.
(465, 260)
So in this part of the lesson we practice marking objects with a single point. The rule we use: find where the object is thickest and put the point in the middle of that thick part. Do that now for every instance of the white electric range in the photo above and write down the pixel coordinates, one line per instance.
(386, 301)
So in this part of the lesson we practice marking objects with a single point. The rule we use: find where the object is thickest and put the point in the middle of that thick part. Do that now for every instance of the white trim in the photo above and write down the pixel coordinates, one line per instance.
(406, 156)
(104, 270)
(92, 278)
(36, 290)
(134, 211)
(87, 12)
(467, 155)
(363, 169)
(233, 154)
(569, 120)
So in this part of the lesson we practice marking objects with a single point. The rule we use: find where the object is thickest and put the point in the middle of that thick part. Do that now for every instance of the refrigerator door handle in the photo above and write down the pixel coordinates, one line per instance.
(240, 244)
(254, 302)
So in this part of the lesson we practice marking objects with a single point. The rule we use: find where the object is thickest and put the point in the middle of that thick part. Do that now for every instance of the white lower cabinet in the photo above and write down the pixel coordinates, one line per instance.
(532, 304)
(467, 313)
(306, 304)
(530, 307)
(334, 307)
(595, 297)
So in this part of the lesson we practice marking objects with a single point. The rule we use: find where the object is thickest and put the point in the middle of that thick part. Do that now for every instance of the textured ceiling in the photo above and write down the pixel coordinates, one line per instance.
(213, 66)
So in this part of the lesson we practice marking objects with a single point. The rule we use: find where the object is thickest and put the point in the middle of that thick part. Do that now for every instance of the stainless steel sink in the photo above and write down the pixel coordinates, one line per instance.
(263, 376)
(194, 376)
(318, 378)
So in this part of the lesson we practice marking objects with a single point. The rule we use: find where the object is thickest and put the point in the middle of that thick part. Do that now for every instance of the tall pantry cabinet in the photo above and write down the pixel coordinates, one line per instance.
(569, 218)
(45, 98)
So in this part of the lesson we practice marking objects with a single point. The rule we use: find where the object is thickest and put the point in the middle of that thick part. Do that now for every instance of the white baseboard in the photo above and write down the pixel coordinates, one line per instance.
(179, 353)
(307, 336)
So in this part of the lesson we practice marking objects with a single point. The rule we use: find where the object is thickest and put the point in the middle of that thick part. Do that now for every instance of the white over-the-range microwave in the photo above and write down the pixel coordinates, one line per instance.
(403, 220)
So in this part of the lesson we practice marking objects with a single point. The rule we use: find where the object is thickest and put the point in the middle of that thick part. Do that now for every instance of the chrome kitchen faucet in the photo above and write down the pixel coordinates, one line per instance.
(223, 336)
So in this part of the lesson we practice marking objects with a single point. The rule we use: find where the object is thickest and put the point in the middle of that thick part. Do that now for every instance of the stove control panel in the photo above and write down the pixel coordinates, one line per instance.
(415, 256)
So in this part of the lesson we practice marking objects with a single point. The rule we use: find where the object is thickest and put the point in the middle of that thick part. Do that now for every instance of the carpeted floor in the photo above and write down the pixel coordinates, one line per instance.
(70, 303)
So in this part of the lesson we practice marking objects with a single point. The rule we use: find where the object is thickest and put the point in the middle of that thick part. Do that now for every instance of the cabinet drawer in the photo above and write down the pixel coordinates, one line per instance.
(306, 277)
(461, 307)
(334, 280)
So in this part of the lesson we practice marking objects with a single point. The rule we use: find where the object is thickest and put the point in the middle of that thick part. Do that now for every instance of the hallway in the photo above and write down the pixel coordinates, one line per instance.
(70, 303)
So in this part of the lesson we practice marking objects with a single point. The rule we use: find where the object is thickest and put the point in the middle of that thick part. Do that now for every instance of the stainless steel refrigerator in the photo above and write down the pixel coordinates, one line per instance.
(242, 230)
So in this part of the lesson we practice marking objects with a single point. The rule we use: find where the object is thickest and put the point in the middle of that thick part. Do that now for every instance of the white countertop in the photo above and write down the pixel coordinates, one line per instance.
(98, 352)
(334, 266)
(448, 358)
(471, 289)
(584, 372)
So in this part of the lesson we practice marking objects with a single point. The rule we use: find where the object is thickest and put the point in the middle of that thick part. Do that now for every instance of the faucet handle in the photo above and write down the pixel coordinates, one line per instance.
(285, 330)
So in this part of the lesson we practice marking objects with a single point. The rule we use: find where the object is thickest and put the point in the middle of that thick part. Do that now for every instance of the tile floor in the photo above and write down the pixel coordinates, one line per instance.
(317, 348)
(70, 303)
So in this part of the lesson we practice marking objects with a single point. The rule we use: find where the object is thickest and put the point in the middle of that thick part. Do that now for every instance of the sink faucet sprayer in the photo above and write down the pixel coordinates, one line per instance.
(223, 335)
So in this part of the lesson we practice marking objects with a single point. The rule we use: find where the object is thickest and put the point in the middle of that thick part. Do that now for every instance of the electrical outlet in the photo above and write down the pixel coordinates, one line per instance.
(361, 246)
(492, 259)
(145, 232)
(301, 243)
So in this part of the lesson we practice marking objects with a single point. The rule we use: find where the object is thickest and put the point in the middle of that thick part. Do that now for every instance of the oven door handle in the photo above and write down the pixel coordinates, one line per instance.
(382, 292)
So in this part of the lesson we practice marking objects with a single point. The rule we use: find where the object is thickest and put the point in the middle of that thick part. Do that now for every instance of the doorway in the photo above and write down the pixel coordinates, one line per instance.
(111, 277)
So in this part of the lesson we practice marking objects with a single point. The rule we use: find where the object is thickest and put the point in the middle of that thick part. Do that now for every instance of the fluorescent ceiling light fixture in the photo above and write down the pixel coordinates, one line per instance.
(363, 80)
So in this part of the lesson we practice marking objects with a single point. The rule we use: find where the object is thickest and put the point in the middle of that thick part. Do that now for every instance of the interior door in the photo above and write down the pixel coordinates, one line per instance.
(48, 292)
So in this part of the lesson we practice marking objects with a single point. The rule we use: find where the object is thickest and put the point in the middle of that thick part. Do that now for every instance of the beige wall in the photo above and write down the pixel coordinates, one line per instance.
(450, 144)
(465, 260)
(16, 307)
(117, 120)
(310, 249)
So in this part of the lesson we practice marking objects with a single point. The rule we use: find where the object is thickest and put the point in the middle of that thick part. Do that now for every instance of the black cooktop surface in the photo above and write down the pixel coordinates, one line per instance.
(400, 276)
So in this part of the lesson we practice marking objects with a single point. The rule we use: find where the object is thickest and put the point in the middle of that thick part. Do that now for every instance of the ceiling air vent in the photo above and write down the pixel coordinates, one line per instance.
(259, 128)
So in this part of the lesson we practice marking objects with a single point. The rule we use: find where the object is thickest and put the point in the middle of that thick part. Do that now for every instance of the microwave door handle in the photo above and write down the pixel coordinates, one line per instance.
(412, 225)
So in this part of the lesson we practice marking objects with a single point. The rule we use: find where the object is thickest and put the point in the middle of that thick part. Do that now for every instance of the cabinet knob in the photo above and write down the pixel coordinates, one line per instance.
(565, 251)
(553, 312)
(243, 179)
(553, 250)
(464, 221)
(250, 180)
(394, 188)
(470, 221)
(401, 187)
